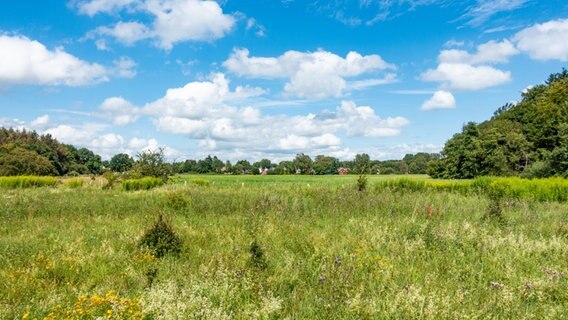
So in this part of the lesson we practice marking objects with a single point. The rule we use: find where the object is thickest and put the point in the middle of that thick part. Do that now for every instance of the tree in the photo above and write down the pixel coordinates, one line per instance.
(325, 165)
(15, 161)
(152, 164)
(303, 164)
(362, 164)
(121, 163)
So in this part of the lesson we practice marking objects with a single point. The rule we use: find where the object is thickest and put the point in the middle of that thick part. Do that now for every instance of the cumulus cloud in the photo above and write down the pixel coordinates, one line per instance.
(461, 70)
(26, 61)
(488, 53)
(40, 122)
(127, 33)
(120, 111)
(173, 21)
(440, 100)
(311, 75)
(545, 41)
(96, 138)
(462, 76)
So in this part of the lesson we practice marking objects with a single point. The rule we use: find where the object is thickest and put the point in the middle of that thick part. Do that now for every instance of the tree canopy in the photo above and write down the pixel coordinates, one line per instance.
(528, 138)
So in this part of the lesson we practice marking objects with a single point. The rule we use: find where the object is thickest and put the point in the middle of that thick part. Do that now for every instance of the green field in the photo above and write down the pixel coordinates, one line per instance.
(284, 247)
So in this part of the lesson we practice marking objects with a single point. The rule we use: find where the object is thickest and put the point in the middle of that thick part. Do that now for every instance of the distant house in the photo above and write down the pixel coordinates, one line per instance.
(343, 171)
(263, 171)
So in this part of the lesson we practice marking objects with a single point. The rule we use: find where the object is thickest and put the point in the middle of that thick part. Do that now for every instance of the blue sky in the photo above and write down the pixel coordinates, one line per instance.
(252, 79)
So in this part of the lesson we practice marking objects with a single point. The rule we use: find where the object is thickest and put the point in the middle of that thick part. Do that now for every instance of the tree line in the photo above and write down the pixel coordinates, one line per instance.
(528, 138)
(29, 153)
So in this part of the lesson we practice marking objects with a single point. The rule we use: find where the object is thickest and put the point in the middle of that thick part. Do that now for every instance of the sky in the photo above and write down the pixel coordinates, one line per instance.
(253, 79)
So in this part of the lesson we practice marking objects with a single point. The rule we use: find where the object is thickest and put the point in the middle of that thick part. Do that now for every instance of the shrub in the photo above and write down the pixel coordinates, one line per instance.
(161, 239)
(111, 179)
(177, 200)
(200, 182)
(362, 182)
(257, 259)
(20, 182)
(74, 183)
(146, 183)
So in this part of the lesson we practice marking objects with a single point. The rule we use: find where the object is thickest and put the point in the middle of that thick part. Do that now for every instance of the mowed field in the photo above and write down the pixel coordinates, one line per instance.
(281, 247)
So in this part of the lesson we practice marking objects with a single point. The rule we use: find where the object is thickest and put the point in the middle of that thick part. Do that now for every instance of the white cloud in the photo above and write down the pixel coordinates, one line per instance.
(490, 52)
(312, 75)
(40, 122)
(25, 61)
(206, 112)
(201, 98)
(440, 100)
(120, 111)
(462, 76)
(173, 21)
(545, 41)
(126, 33)
(93, 7)
(124, 67)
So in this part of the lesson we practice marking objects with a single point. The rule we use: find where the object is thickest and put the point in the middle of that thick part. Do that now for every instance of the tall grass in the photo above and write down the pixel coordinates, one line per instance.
(549, 189)
(290, 251)
(145, 183)
(21, 182)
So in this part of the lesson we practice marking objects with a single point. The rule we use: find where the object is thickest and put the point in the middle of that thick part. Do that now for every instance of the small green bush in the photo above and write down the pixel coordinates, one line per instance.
(362, 182)
(74, 183)
(21, 182)
(200, 182)
(146, 183)
(177, 200)
(257, 259)
(161, 239)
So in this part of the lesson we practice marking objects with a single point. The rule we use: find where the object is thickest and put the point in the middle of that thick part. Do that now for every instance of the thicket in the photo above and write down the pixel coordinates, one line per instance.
(529, 138)
(29, 153)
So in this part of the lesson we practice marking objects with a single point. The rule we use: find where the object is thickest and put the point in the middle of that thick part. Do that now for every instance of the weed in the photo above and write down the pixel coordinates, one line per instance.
(161, 239)
(177, 200)
(257, 259)
(362, 182)
(145, 183)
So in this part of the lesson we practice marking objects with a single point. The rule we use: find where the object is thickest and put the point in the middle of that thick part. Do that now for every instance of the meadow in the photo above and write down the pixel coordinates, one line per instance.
(287, 247)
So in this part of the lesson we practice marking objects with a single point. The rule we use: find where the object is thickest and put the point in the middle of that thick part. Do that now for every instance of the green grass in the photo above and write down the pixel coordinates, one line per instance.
(327, 250)
(145, 183)
(22, 182)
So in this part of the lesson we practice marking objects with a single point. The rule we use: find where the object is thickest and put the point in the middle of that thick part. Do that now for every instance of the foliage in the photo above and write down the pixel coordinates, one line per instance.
(15, 161)
(177, 200)
(111, 180)
(121, 163)
(362, 182)
(145, 183)
(22, 182)
(74, 183)
(152, 164)
(326, 165)
(161, 239)
(257, 258)
(303, 164)
(63, 158)
(513, 188)
(531, 136)
(362, 164)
